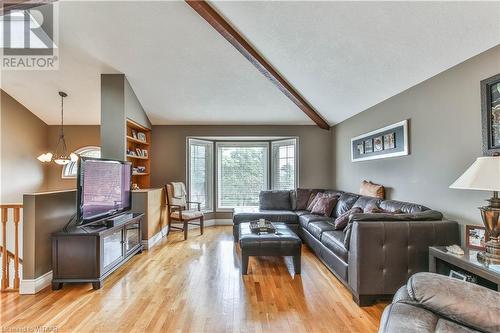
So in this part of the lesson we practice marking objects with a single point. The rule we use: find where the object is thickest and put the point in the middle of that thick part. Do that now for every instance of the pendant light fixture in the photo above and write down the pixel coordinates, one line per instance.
(60, 154)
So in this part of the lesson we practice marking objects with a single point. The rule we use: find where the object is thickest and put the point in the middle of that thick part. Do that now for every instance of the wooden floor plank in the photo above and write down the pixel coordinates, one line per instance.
(196, 286)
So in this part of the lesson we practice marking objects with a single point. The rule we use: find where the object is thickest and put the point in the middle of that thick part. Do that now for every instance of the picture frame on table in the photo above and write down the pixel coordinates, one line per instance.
(475, 237)
(134, 134)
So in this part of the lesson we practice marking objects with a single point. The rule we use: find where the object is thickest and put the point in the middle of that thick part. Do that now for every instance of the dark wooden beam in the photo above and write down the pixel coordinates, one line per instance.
(233, 37)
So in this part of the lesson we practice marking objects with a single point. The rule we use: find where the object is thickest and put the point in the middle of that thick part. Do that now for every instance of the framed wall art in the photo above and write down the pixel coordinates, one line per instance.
(490, 114)
(389, 141)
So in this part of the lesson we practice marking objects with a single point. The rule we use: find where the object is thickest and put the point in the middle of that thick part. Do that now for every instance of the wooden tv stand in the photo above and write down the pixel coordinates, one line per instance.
(92, 253)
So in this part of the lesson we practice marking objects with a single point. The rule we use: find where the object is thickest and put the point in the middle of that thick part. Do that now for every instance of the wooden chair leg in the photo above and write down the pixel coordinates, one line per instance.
(185, 230)
(201, 224)
(169, 225)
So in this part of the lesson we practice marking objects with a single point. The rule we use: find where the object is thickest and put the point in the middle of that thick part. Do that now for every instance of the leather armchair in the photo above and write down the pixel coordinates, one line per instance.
(436, 303)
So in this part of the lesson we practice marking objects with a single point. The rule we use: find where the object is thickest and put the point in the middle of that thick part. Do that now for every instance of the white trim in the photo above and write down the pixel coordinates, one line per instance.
(33, 286)
(404, 152)
(149, 243)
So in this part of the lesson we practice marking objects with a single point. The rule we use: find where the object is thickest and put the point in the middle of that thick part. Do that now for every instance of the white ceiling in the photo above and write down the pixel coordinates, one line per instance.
(343, 57)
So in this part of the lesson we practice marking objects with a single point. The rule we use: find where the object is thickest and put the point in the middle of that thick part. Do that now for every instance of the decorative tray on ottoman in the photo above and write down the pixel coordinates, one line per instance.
(258, 227)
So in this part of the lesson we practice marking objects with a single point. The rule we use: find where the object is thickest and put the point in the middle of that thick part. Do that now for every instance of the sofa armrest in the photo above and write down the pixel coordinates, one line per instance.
(460, 301)
(384, 254)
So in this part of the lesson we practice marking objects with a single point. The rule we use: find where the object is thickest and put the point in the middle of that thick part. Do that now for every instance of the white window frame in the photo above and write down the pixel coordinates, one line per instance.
(209, 168)
(72, 165)
(275, 145)
(238, 144)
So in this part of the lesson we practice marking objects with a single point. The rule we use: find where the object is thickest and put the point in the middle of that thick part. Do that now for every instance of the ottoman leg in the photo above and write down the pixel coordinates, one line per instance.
(296, 264)
(244, 263)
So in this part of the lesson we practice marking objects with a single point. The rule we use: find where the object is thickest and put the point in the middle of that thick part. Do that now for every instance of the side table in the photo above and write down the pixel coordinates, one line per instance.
(441, 262)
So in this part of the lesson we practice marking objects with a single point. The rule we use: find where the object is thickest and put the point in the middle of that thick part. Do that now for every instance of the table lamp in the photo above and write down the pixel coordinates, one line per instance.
(484, 175)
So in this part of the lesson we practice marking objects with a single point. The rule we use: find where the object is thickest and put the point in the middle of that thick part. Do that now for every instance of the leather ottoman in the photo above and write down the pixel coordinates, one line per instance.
(281, 244)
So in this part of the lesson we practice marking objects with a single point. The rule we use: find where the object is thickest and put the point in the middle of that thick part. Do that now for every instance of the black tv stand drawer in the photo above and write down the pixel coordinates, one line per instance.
(91, 253)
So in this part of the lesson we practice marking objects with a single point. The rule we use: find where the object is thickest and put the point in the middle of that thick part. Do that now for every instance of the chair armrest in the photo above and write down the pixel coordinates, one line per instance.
(463, 302)
(195, 202)
(384, 254)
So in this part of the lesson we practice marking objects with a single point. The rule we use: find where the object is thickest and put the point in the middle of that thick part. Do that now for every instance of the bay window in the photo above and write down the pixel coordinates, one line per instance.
(239, 170)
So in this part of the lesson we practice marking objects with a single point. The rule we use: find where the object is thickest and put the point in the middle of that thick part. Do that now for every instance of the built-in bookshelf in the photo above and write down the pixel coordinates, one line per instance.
(138, 153)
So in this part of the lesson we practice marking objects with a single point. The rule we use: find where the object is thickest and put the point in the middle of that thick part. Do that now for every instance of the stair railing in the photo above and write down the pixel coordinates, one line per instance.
(7, 256)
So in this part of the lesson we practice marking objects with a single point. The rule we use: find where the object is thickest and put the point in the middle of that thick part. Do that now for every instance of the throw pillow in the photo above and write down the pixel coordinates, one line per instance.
(324, 206)
(342, 220)
(313, 201)
(372, 190)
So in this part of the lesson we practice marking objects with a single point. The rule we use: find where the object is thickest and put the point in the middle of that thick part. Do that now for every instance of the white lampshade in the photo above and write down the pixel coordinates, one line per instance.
(483, 175)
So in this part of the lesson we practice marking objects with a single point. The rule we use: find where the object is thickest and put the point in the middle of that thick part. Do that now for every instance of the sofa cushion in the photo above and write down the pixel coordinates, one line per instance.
(275, 200)
(405, 207)
(252, 214)
(304, 220)
(346, 202)
(302, 198)
(334, 241)
(316, 228)
(302, 212)
(364, 202)
(325, 205)
(372, 190)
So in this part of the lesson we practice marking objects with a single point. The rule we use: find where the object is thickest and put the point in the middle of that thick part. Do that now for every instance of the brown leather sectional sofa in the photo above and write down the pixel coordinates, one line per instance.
(376, 253)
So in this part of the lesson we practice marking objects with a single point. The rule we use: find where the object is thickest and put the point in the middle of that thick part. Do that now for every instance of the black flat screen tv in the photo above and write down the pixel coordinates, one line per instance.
(103, 189)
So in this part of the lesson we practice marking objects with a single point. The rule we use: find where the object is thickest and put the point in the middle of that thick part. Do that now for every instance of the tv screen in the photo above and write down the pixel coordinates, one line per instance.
(103, 188)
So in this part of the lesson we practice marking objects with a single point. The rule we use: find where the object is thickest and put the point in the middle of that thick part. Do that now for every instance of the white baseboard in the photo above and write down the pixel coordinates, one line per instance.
(149, 243)
(30, 287)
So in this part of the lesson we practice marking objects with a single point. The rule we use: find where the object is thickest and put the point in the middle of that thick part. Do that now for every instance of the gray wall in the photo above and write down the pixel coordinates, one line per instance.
(445, 139)
(118, 102)
(23, 138)
(168, 156)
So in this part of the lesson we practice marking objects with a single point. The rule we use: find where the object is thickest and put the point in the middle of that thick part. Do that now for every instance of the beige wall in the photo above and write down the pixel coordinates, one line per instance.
(168, 154)
(77, 136)
(445, 138)
(23, 138)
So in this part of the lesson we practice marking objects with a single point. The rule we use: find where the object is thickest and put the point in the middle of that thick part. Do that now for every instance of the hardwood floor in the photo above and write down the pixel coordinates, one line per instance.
(196, 286)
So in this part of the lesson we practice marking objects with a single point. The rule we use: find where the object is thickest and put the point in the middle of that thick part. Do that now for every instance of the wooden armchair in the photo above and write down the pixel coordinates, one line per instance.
(179, 212)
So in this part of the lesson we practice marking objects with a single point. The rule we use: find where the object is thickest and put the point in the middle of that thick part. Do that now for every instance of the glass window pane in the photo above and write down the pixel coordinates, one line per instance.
(284, 165)
(242, 174)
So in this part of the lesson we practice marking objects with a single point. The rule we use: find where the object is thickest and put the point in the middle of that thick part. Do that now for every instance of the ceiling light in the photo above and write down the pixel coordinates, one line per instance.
(60, 155)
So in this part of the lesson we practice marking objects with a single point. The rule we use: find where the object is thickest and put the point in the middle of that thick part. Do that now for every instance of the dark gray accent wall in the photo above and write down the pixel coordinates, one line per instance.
(445, 139)
(168, 156)
(113, 116)
(118, 102)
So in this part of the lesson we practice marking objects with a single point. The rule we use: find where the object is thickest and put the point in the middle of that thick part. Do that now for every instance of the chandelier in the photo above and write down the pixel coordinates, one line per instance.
(60, 154)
